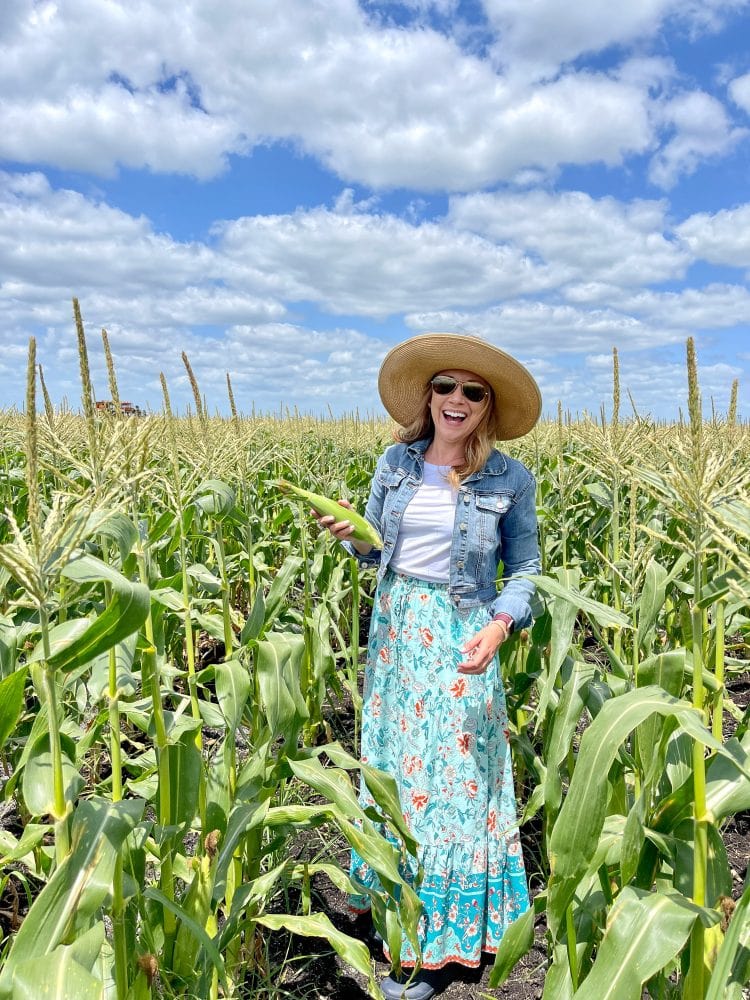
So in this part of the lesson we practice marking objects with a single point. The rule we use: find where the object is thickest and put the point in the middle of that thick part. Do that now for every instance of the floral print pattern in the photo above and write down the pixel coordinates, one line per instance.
(444, 738)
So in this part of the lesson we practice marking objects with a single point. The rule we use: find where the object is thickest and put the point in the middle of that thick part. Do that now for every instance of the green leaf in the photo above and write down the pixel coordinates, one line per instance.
(232, 689)
(208, 580)
(651, 601)
(665, 670)
(564, 722)
(288, 573)
(65, 973)
(123, 616)
(564, 614)
(245, 816)
(331, 782)
(185, 764)
(255, 620)
(517, 941)
(127, 682)
(58, 977)
(12, 690)
(384, 790)
(727, 789)
(278, 665)
(195, 929)
(601, 613)
(33, 835)
(215, 498)
(644, 932)
(121, 529)
(38, 783)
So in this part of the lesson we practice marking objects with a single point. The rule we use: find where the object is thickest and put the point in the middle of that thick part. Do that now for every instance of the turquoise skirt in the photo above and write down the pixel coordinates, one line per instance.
(443, 736)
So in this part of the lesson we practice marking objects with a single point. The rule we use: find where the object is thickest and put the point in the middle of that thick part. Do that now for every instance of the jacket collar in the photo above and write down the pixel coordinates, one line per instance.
(495, 466)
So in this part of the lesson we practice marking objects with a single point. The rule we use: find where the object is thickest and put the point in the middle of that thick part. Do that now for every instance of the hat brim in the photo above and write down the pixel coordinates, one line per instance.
(408, 368)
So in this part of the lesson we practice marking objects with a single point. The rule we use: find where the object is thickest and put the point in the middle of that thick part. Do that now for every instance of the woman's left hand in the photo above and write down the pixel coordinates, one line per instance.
(481, 648)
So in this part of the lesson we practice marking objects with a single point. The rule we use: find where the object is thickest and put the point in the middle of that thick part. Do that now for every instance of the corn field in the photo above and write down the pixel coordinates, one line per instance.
(180, 647)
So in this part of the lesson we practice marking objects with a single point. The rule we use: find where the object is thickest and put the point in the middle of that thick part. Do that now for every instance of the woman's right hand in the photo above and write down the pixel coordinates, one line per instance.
(339, 529)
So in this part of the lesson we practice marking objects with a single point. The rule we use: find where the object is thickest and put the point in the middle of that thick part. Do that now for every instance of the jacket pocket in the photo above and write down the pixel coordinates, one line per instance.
(490, 509)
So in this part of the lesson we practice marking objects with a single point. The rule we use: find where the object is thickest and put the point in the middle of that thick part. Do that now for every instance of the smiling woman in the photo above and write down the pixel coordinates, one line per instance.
(449, 508)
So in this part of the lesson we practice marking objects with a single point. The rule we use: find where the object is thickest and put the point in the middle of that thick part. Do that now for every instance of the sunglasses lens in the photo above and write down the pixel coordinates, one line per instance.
(474, 391)
(443, 384)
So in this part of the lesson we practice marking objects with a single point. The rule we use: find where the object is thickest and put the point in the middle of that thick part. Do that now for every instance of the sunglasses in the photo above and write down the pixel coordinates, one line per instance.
(475, 392)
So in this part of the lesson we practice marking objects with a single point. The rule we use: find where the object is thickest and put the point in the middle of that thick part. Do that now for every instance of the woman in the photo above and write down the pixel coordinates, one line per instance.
(450, 510)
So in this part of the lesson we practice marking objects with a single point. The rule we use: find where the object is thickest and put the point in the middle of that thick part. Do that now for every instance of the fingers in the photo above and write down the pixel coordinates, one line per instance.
(339, 529)
(479, 651)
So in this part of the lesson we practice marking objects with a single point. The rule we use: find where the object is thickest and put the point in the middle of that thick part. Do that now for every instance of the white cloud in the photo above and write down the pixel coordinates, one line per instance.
(721, 238)
(739, 91)
(543, 34)
(177, 88)
(701, 130)
(597, 240)
(557, 328)
(540, 35)
(712, 307)
(375, 265)
(97, 130)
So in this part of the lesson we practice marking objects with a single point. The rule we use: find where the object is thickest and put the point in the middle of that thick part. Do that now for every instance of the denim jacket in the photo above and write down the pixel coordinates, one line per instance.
(495, 521)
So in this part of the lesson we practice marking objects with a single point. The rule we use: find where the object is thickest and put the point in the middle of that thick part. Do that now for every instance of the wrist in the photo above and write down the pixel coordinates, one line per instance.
(506, 619)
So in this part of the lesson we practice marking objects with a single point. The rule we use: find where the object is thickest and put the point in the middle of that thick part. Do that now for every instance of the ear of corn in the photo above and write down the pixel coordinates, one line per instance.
(363, 530)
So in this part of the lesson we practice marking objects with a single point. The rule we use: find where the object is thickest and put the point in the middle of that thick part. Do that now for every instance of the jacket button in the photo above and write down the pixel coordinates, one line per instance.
(462, 526)
(460, 564)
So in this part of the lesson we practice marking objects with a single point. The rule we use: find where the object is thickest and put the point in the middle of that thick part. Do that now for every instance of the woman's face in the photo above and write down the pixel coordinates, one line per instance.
(455, 417)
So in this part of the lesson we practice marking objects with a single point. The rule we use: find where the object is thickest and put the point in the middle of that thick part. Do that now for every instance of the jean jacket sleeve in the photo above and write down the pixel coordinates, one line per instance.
(520, 555)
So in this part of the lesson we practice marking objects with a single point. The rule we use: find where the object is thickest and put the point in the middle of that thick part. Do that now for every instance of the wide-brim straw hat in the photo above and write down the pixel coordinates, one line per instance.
(409, 366)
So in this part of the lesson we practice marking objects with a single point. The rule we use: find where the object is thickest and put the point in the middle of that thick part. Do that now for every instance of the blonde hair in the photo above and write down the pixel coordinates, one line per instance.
(478, 446)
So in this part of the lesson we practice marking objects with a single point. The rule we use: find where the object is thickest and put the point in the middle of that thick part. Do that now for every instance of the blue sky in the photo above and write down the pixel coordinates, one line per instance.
(286, 188)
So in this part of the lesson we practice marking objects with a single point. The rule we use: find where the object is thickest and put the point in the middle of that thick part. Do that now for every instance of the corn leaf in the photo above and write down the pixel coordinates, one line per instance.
(11, 702)
(644, 932)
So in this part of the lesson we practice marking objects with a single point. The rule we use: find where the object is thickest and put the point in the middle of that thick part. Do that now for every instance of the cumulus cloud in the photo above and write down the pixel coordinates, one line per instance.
(589, 239)
(649, 385)
(721, 238)
(375, 265)
(712, 307)
(537, 36)
(739, 91)
(701, 130)
(545, 33)
(557, 328)
(376, 103)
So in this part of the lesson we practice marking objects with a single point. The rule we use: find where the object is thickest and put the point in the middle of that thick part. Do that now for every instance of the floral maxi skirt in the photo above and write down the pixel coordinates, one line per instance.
(443, 736)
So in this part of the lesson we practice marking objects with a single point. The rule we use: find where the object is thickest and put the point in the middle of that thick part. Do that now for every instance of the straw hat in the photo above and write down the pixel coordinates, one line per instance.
(408, 368)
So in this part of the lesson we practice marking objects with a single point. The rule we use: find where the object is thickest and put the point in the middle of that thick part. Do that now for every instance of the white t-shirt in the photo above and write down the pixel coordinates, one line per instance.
(423, 545)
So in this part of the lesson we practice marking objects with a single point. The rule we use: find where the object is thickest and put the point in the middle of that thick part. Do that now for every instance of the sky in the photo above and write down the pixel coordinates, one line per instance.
(284, 189)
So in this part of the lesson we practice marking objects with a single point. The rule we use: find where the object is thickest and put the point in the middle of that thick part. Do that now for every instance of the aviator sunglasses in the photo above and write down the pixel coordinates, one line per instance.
(475, 392)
